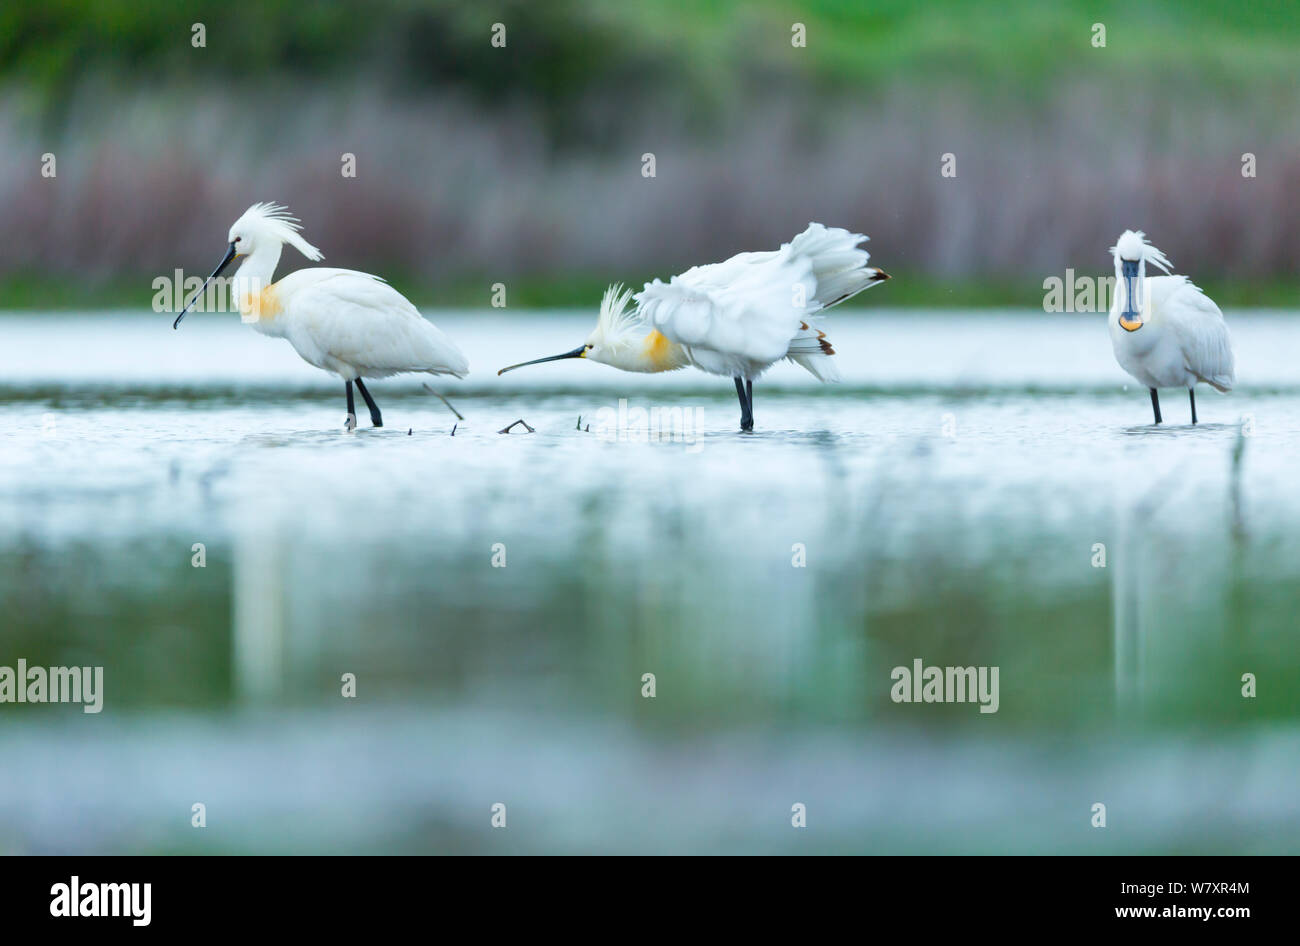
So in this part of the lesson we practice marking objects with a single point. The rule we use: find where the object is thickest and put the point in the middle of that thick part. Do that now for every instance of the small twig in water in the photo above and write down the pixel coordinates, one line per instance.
(453, 430)
(510, 427)
(458, 414)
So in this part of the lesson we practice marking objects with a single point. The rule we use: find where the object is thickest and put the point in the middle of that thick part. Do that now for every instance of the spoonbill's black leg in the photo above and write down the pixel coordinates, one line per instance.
(375, 417)
(749, 396)
(351, 422)
(1191, 394)
(1155, 404)
(746, 413)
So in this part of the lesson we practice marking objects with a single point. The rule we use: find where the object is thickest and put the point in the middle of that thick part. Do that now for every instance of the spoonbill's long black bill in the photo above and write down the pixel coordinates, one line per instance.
(578, 352)
(230, 254)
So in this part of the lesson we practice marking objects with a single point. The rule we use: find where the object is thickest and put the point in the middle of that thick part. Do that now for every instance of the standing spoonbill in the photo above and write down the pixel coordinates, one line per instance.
(736, 318)
(1166, 332)
(349, 323)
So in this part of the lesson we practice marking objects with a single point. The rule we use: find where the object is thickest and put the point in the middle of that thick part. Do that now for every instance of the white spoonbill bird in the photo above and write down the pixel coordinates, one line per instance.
(736, 318)
(349, 323)
(1165, 331)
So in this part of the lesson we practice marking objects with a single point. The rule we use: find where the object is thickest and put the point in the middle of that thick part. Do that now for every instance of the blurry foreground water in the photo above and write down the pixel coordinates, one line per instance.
(952, 501)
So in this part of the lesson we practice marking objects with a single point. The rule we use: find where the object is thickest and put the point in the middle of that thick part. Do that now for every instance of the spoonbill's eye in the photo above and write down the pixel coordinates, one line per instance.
(237, 239)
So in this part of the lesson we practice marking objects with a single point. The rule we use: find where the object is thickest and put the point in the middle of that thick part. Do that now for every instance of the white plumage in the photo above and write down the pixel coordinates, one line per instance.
(739, 317)
(356, 325)
(1165, 331)
(350, 323)
(736, 318)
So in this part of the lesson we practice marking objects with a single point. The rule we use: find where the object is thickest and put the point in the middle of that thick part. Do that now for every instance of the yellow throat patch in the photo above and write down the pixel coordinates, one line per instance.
(660, 353)
(258, 306)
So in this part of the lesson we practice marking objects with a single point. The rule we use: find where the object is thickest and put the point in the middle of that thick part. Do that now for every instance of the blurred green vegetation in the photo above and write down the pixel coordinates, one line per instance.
(583, 291)
(559, 50)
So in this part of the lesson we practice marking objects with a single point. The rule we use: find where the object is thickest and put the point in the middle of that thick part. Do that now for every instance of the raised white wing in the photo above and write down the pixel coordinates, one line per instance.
(754, 304)
(367, 323)
(743, 307)
(1201, 331)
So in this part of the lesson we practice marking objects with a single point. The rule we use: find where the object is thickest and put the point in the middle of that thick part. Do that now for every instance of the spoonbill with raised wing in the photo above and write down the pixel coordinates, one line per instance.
(736, 318)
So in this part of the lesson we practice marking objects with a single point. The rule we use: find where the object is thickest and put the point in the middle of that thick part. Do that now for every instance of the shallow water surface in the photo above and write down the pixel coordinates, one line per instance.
(983, 489)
